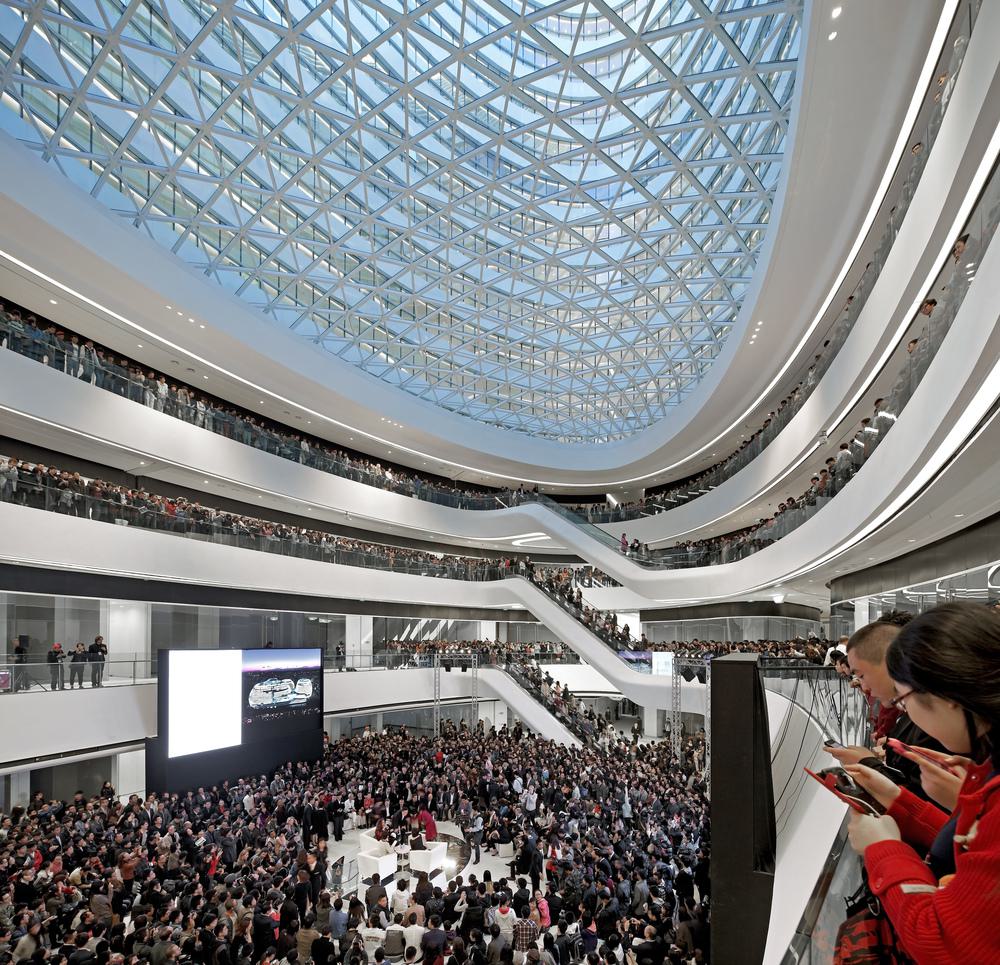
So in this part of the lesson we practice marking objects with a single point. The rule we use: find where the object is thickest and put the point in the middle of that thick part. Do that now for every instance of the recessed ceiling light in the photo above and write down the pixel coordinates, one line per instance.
(201, 326)
(911, 541)
(261, 401)
(836, 12)
(170, 306)
(139, 344)
(191, 320)
(52, 301)
(959, 515)
(205, 481)
(833, 36)
(204, 376)
(141, 463)
(180, 313)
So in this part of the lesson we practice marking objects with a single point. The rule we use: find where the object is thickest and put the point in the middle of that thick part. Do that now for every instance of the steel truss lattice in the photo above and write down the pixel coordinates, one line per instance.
(544, 217)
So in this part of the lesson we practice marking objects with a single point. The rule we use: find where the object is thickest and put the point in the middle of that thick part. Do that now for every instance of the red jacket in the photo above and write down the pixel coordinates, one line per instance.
(957, 920)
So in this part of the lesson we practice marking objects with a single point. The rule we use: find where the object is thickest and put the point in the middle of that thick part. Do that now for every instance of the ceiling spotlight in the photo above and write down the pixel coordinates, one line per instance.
(833, 36)
(836, 12)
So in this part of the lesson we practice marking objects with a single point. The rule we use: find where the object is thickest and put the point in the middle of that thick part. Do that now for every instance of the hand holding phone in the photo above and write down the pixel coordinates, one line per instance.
(921, 754)
(839, 782)
(832, 743)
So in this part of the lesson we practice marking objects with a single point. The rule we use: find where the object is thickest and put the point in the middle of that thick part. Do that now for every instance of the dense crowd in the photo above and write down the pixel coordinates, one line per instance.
(487, 651)
(46, 487)
(91, 362)
(812, 650)
(521, 661)
(613, 843)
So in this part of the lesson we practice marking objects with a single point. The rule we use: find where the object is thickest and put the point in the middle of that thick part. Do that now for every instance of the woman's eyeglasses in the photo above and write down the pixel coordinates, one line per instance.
(900, 701)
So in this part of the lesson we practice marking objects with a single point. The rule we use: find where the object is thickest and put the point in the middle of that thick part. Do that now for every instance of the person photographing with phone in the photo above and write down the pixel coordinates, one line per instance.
(867, 650)
(937, 874)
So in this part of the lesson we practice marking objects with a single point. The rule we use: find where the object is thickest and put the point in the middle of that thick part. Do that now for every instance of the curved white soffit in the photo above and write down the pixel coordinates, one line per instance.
(522, 443)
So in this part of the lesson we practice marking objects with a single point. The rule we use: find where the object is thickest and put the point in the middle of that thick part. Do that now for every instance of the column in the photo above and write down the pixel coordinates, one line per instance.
(128, 773)
(127, 632)
(358, 640)
(20, 788)
(487, 630)
(650, 722)
(208, 628)
(499, 714)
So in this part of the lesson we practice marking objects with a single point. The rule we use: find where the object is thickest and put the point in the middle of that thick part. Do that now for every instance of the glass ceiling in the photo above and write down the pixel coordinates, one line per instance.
(544, 216)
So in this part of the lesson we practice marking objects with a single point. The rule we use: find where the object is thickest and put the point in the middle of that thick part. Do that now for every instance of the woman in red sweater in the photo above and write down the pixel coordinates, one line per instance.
(938, 874)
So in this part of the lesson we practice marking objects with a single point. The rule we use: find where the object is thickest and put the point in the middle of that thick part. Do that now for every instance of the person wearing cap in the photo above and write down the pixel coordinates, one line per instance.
(55, 658)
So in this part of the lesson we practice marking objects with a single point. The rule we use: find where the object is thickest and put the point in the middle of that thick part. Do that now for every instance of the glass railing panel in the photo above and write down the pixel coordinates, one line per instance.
(838, 709)
(816, 936)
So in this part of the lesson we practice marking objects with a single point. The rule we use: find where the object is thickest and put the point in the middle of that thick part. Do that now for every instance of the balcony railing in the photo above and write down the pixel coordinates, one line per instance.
(78, 358)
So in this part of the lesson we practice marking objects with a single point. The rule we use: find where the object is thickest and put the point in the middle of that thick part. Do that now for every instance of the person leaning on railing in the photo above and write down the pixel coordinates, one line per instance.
(938, 876)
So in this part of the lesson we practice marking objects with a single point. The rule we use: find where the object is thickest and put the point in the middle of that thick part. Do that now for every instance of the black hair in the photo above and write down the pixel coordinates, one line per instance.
(953, 652)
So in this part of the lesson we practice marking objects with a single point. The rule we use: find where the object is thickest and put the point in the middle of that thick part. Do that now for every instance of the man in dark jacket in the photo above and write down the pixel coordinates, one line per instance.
(77, 660)
(98, 654)
(55, 658)
(866, 652)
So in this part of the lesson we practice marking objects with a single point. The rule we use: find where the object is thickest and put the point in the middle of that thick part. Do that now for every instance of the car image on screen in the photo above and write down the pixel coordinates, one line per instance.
(280, 692)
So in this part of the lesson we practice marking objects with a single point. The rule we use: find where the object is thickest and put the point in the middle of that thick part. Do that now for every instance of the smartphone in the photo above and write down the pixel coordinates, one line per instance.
(839, 782)
(833, 743)
(899, 747)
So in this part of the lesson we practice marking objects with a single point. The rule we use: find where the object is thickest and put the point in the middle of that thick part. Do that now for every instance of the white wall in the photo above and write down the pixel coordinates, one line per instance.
(79, 720)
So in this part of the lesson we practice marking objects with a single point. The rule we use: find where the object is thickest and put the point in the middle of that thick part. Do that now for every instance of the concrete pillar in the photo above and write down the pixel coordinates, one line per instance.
(127, 631)
(128, 773)
(487, 630)
(20, 788)
(650, 722)
(208, 628)
(358, 639)
(499, 714)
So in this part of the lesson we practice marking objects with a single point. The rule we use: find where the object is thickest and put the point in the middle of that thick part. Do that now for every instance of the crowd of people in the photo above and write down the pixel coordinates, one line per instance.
(929, 833)
(71, 494)
(46, 487)
(610, 859)
(522, 661)
(488, 652)
(813, 650)
(88, 361)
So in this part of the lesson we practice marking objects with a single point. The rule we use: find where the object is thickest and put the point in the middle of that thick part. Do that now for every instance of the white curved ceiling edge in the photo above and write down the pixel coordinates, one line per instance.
(459, 442)
(962, 384)
(184, 455)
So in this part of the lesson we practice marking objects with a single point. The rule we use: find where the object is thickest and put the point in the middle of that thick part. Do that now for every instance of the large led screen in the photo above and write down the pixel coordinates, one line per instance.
(228, 698)
(205, 696)
(282, 692)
